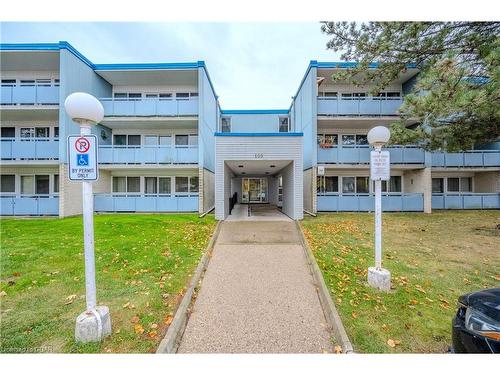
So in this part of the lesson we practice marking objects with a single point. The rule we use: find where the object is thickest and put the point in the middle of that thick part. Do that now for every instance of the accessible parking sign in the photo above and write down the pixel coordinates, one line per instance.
(82, 158)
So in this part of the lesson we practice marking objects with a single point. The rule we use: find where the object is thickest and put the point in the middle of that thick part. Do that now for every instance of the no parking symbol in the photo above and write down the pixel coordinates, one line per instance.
(82, 158)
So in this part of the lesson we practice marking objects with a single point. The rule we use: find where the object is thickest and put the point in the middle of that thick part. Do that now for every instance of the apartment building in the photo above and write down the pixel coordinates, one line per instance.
(165, 145)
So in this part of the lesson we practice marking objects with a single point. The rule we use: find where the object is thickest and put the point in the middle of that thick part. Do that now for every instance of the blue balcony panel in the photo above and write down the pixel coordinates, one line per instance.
(366, 202)
(19, 205)
(150, 107)
(475, 158)
(29, 148)
(148, 155)
(146, 203)
(361, 155)
(465, 201)
(369, 106)
(46, 95)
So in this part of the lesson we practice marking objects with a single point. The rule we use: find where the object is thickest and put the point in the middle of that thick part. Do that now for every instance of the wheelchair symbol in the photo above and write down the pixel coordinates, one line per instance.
(83, 159)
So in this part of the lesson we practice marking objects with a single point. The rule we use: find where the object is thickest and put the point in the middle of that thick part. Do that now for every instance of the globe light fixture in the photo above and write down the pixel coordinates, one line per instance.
(378, 136)
(84, 108)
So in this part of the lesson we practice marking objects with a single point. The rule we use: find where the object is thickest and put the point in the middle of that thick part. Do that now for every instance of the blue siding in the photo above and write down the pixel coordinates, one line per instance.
(208, 118)
(254, 123)
(304, 113)
(76, 76)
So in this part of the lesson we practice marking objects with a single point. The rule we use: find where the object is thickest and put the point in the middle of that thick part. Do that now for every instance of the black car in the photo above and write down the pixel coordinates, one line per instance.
(476, 327)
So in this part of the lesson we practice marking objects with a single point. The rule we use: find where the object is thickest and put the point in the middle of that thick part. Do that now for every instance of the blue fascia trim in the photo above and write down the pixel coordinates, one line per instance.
(201, 64)
(350, 64)
(218, 134)
(29, 46)
(147, 66)
(65, 45)
(255, 111)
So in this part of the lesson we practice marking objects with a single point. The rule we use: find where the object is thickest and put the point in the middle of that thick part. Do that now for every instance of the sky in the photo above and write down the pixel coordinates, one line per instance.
(252, 65)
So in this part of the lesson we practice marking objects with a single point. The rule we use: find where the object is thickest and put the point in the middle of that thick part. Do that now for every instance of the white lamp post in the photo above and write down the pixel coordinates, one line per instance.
(379, 170)
(93, 324)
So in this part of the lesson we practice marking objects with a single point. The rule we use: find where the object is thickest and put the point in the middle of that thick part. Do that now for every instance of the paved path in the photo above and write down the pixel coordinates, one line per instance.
(257, 295)
(258, 212)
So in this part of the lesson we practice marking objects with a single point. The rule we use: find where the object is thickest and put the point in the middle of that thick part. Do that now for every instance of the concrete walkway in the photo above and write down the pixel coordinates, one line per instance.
(257, 295)
(257, 212)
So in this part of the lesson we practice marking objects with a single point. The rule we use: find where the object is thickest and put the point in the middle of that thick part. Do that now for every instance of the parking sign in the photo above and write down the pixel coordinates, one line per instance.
(82, 158)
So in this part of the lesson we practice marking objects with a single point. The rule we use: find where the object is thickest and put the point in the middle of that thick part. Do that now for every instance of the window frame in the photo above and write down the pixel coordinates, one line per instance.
(227, 120)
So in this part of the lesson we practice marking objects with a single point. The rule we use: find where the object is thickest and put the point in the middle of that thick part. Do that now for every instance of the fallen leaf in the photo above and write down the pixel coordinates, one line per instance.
(337, 349)
(391, 343)
(152, 334)
(354, 315)
(135, 319)
(154, 326)
(3, 293)
(70, 299)
(126, 305)
(138, 329)
(168, 319)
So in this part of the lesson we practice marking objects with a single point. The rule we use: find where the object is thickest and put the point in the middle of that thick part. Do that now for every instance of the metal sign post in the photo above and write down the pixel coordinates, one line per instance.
(94, 324)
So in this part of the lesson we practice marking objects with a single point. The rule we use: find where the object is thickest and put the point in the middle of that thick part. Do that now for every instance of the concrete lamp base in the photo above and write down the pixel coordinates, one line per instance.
(93, 326)
(379, 278)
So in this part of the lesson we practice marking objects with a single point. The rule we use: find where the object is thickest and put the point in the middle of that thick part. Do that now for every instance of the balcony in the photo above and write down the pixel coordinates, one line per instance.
(29, 148)
(29, 205)
(366, 202)
(476, 158)
(30, 95)
(367, 106)
(148, 155)
(146, 202)
(150, 107)
(361, 155)
(465, 201)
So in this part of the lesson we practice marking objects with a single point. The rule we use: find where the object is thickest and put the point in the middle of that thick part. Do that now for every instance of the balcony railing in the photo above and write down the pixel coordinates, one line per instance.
(367, 106)
(465, 201)
(148, 154)
(146, 202)
(476, 158)
(30, 95)
(366, 202)
(29, 148)
(150, 107)
(26, 205)
(361, 155)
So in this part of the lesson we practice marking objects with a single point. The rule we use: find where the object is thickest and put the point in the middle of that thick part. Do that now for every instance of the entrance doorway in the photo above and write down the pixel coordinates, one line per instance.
(254, 190)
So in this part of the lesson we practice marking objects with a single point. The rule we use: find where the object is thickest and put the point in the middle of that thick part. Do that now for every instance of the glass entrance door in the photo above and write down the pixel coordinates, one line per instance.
(254, 190)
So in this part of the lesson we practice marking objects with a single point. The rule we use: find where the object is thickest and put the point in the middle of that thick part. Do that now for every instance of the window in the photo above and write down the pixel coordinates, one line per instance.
(193, 184)
(119, 139)
(437, 185)
(7, 183)
(43, 82)
(150, 185)
(328, 94)
(225, 126)
(41, 132)
(453, 184)
(27, 132)
(56, 132)
(182, 184)
(362, 185)
(327, 184)
(327, 140)
(56, 183)
(8, 82)
(27, 185)
(164, 185)
(283, 125)
(394, 185)
(193, 140)
(181, 140)
(348, 184)
(8, 132)
(182, 95)
(28, 82)
(393, 95)
(165, 96)
(348, 140)
(151, 140)
(120, 95)
(133, 184)
(37, 132)
(134, 96)
(465, 184)
(56, 82)
(119, 184)
(134, 140)
(42, 184)
(361, 139)
(165, 140)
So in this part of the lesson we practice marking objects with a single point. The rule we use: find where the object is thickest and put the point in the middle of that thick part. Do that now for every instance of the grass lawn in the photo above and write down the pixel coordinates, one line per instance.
(433, 259)
(143, 264)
